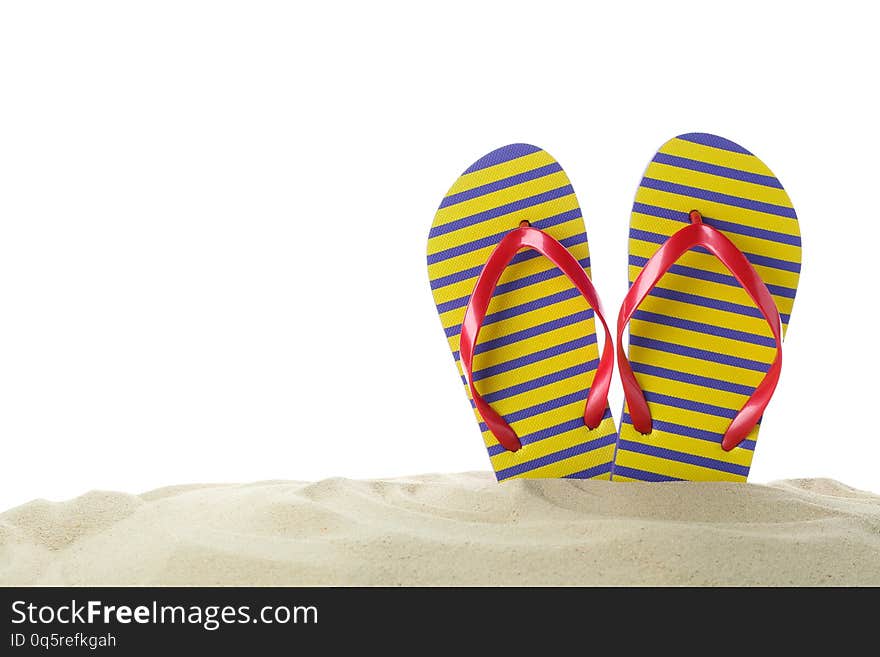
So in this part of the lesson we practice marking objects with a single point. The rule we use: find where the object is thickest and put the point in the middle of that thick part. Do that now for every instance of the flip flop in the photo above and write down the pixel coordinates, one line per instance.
(534, 377)
(705, 345)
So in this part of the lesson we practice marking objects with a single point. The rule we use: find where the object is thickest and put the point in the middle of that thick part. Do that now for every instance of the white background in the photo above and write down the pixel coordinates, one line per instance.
(213, 219)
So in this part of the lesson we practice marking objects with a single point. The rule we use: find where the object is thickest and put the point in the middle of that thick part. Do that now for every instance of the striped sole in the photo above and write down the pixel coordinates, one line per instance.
(537, 351)
(698, 345)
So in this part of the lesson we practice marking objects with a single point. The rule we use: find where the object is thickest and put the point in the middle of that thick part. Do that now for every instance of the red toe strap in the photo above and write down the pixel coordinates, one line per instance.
(699, 234)
(528, 237)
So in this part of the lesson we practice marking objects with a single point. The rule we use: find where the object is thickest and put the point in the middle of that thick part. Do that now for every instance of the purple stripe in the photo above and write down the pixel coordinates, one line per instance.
(726, 226)
(764, 234)
(544, 434)
(754, 258)
(531, 332)
(541, 381)
(529, 306)
(589, 473)
(692, 379)
(510, 286)
(529, 359)
(724, 279)
(690, 405)
(714, 141)
(682, 457)
(765, 261)
(500, 211)
(522, 256)
(575, 450)
(709, 329)
(500, 155)
(708, 302)
(715, 170)
(702, 354)
(688, 432)
(543, 407)
(641, 475)
(492, 240)
(550, 432)
(498, 185)
(718, 197)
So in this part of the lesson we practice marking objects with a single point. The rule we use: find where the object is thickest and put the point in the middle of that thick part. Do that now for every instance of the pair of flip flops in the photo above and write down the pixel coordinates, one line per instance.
(714, 260)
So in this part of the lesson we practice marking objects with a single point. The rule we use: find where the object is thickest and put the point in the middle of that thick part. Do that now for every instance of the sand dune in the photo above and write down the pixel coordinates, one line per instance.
(449, 530)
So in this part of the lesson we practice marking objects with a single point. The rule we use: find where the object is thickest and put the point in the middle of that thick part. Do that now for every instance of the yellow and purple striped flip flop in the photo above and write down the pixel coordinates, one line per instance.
(706, 325)
(536, 364)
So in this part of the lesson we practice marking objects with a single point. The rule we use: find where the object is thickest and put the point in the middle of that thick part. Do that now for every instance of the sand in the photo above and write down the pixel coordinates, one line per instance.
(455, 529)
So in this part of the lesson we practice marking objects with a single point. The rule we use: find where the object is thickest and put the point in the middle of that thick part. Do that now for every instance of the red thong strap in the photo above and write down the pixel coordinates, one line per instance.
(527, 237)
(700, 234)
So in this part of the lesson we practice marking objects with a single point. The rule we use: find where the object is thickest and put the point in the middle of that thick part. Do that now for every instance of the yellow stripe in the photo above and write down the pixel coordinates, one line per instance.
(494, 226)
(515, 297)
(716, 156)
(500, 171)
(547, 393)
(570, 359)
(706, 262)
(687, 391)
(672, 468)
(745, 243)
(537, 396)
(702, 341)
(513, 272)
(528, 346)
(718, 184)
(694, 313)
(555, 444)
(501, 197)
(732, 294)
(528, 320)
(688, 418)
(531, 345)
(694, 446)
(733, 213)
(564, 467)
(679, 363)
(712, 290)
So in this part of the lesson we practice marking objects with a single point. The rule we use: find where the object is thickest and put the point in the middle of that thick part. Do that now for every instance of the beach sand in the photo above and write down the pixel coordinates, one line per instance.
(450, 529)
